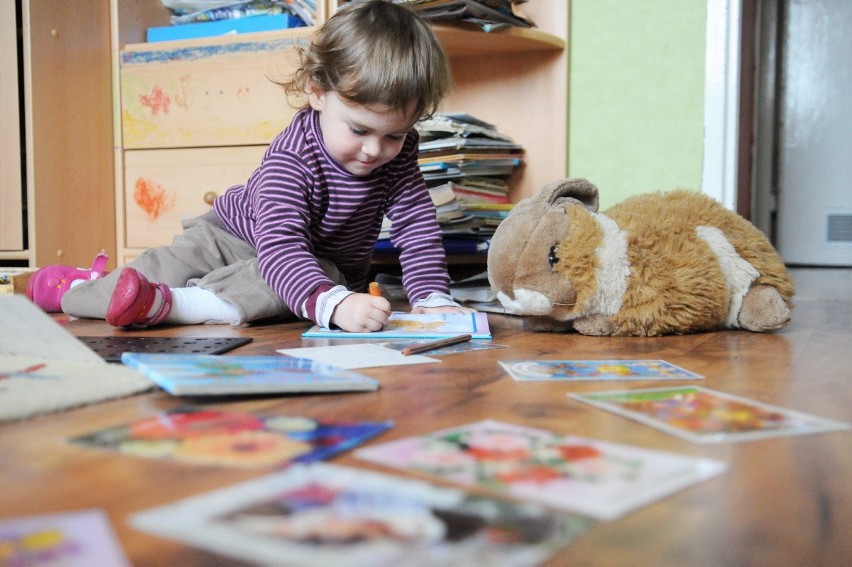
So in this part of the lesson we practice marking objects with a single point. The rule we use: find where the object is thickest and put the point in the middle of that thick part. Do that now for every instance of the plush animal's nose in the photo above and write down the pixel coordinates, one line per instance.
(525, 302)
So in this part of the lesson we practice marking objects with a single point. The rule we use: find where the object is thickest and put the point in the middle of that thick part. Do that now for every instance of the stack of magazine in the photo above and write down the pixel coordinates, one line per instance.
(466, 163)
(488, 15)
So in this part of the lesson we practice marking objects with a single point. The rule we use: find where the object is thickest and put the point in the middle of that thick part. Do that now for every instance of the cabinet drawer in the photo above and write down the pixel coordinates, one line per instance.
(162, 187)
(214, 95)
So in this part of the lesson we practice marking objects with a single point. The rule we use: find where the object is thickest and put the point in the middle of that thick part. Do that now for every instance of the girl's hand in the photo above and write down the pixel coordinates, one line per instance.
(361, 312)
(443, 309)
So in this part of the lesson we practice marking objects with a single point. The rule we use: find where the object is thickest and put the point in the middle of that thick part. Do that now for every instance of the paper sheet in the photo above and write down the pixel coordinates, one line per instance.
(361, 355)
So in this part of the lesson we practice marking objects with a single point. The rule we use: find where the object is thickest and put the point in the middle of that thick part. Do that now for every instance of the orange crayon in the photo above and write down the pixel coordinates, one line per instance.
(375, 289)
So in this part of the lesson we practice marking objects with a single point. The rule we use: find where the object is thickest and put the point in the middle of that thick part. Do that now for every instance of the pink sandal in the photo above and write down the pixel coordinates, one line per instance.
(48, 284)
(133, 297)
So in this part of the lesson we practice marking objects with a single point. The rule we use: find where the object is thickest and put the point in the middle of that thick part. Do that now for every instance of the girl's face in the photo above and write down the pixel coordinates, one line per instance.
(359, 138)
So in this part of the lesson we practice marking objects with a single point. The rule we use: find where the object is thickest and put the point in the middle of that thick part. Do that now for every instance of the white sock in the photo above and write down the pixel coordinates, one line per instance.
(196, 305)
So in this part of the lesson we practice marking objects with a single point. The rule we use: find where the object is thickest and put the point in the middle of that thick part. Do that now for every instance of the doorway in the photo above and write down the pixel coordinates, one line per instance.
(803, 128)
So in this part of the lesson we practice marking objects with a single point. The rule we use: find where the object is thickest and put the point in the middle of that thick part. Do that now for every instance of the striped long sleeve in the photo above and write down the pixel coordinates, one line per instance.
(300, 205)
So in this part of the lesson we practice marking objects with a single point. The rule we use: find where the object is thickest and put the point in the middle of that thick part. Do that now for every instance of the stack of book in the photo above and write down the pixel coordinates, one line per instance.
(486, 14)
(468, 157)
(466, 163)
(200, 18)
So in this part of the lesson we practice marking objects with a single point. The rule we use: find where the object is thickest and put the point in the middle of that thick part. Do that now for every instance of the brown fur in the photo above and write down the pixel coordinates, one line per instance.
(675, 282)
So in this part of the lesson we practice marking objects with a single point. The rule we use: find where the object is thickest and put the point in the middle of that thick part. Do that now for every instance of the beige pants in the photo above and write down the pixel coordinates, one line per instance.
(205, 254)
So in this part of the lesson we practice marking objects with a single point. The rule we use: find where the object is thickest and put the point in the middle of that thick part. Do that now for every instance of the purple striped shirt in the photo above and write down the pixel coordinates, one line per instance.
(300, 205)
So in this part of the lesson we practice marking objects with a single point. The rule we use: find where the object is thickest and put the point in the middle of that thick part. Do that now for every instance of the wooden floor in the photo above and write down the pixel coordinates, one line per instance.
(784, 501)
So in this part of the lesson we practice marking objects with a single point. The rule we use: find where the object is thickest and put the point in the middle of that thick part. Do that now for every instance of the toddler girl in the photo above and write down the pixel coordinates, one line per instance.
(298, 236)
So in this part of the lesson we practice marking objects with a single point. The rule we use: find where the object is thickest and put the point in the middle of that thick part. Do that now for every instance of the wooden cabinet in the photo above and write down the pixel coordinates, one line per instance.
(162, 187)
(196, 115)
(68, 211)
(11, 198)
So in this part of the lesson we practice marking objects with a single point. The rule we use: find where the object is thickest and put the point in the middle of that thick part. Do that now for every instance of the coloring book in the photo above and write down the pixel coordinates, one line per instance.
(416, 326)
(210, 374)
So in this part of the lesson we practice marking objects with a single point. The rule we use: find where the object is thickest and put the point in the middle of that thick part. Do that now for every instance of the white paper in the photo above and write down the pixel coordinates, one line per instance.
(361, 355)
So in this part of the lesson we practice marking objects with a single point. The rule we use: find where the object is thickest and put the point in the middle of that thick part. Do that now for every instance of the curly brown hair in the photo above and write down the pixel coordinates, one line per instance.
(375, 53)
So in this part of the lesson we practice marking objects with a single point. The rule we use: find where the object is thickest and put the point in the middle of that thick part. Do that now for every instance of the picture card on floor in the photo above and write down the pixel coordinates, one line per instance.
(702, 415)
(595, 478)
(583, 370)
(213, 437)
(320, 514)
(81, 538)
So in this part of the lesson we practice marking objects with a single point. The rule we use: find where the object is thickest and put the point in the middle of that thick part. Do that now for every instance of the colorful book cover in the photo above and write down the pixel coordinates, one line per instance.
(702, 415)
(595, 478)
(416, 326)
(320, 514)
(212, 437)
(581, 370)
(81, 538)
(213, 375)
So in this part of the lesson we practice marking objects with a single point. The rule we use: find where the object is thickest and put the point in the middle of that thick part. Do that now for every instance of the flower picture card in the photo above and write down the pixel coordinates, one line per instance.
(213, 437)
(596, 478)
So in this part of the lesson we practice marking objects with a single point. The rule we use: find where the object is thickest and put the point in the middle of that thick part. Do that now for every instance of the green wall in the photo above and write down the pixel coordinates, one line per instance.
(636, 95)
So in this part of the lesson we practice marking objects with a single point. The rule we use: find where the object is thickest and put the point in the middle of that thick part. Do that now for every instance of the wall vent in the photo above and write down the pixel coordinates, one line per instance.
(839, 227)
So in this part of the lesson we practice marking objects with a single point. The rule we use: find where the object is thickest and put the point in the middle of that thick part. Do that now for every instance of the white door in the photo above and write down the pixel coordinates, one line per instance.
(814, 133)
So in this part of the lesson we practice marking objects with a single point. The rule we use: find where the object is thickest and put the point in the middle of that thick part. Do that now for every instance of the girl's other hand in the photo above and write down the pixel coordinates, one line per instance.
(443, 309)
(361, 312)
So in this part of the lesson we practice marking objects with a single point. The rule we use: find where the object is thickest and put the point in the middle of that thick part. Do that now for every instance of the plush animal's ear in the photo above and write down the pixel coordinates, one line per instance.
(571, 190)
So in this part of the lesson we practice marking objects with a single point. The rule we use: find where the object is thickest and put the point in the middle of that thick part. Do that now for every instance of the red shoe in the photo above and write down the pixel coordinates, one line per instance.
(48, 284)
(132, 299)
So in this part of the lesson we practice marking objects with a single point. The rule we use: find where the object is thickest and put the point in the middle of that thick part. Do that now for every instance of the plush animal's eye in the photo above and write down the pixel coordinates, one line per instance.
(552, 258)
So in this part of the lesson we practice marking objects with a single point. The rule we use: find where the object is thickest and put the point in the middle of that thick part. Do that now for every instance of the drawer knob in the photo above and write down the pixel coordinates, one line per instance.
(209, 197)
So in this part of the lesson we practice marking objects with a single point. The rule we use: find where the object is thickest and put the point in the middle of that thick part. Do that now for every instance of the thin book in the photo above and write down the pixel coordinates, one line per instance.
(206, 375)
(416, 326)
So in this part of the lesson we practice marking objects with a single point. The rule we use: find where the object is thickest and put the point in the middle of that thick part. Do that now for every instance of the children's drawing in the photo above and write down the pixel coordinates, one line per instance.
(158, 101)
(152, 198)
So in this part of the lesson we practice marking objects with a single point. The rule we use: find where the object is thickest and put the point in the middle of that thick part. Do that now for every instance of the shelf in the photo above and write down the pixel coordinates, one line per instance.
(461, 41)
(452, 259)
(458, 40)
(219, 40)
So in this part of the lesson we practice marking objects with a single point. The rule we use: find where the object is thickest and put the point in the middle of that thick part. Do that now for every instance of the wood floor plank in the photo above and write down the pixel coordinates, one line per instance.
(784, 501)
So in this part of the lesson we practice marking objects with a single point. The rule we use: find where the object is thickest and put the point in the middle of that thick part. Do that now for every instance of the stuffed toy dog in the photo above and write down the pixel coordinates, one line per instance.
(658, 263)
